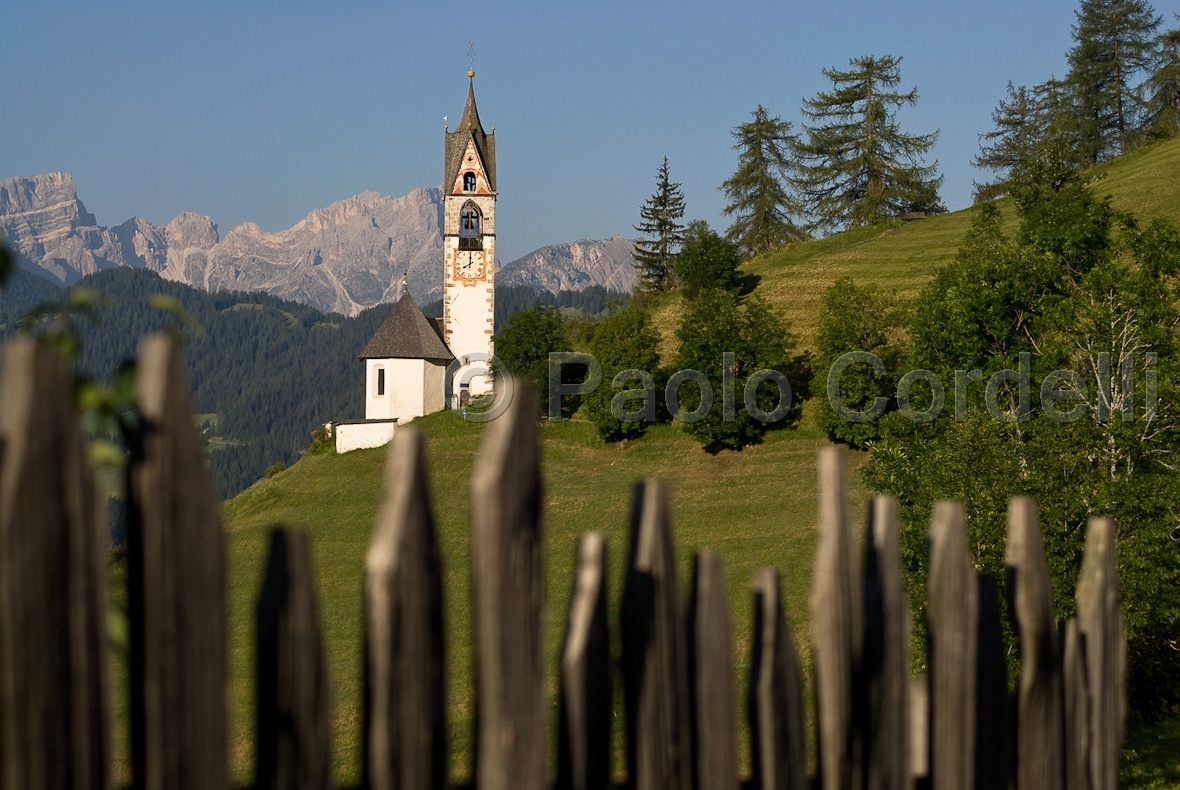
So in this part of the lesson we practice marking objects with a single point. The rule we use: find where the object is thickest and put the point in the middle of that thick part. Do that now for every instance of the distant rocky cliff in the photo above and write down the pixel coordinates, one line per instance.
(344, 258)
(574, 266)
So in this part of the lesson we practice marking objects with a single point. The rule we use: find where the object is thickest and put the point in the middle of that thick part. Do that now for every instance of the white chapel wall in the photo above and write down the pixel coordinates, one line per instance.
(434, 385)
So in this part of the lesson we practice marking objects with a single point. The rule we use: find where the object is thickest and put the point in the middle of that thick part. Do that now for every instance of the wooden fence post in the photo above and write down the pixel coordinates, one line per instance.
(953, 614)
(1100, 624)
(1077, 708)
(584, 747)
(886, 653)
(919, 755)
(54, 711)
(507, 584)
(293, 721)
(405, 705)
(836, 629)
(1040, 716)
(710, 677)
(176, 581)
(655, 671)
(775, 695)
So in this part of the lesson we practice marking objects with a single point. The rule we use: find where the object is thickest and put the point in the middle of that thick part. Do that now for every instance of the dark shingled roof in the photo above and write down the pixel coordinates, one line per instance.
(456, 144)
(407, 334)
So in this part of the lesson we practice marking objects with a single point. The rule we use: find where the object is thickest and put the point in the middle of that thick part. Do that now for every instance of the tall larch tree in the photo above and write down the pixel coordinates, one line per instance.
(857, 165)
(1113, 45)
(660, 223)
(1163, 87)
(761, 199)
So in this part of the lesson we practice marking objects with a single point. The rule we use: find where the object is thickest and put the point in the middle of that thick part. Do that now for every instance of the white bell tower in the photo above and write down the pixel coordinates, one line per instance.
(469, 237)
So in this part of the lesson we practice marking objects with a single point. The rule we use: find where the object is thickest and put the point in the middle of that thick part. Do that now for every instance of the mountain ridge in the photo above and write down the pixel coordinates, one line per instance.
(345, 257)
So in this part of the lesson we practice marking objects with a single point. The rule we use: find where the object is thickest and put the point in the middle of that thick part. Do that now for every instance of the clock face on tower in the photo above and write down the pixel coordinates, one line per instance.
(469, 265)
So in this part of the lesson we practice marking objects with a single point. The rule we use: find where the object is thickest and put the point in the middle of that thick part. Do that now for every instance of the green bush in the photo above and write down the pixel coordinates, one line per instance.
(1076, 282)
(323, 441)
(716, 323)
(856, 318)
(707, 260)
(624, 341)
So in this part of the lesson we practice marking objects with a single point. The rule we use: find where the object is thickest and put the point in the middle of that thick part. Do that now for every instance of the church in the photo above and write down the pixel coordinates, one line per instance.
(413, 362)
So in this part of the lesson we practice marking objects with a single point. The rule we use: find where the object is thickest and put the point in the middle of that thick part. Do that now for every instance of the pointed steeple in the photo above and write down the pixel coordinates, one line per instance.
(470, 119)
(470, 129)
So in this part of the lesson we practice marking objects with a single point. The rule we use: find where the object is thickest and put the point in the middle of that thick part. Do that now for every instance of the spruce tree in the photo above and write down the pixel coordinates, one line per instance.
(1029, 122)
(759, 192)
(1163, 103)
(858, 167)
(1112, 46)
(1018, 127)
(1054, 105)
(660, 215)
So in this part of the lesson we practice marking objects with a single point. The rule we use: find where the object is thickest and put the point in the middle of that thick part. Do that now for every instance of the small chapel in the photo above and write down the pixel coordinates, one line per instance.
(413, 362)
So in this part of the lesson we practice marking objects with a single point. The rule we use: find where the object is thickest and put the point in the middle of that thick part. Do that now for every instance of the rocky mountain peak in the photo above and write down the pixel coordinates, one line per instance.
(344, 257)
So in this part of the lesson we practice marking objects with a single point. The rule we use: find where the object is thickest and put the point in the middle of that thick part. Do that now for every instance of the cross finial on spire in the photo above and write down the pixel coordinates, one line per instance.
(470, 58)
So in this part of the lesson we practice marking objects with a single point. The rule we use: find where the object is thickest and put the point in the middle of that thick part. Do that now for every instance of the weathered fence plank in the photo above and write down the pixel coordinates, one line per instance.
(1077, 708)
(836, 629)
(886, 653)
(1100, 624)
(176, 581)
(53, 676)
(710, 677)
(953, 614)
(584, 747)
(775, 696)
(293, 720)
(919, 758)
(508, 586)
(1040, 716)
(877, 727)
(655, 671)
(405, 704)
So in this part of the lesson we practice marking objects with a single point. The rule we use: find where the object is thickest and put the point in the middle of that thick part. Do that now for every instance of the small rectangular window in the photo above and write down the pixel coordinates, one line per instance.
(380, 381)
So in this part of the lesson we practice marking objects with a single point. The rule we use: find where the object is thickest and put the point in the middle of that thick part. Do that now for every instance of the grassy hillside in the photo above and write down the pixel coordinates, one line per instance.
(756, 507)
(902, 257)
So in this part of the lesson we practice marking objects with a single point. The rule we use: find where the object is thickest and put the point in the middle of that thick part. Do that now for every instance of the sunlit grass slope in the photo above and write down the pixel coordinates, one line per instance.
(756, 507)
(901, 257)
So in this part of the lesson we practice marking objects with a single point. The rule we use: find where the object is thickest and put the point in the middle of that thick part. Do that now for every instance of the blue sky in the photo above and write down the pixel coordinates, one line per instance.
(257, 111)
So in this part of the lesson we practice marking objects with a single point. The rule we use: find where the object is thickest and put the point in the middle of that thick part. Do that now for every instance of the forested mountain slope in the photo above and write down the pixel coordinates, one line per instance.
(265, 372)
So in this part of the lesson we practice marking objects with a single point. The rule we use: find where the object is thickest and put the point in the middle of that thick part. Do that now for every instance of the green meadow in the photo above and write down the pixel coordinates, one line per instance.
(755, 507)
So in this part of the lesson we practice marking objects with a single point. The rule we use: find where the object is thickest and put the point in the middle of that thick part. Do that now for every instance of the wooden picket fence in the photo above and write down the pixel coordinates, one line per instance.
(877, 727)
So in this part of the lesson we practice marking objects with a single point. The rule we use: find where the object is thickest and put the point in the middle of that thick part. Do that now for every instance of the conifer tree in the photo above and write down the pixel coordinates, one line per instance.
(1053, 101)
(660, 215)
(858, 167)
(1028, 122)
(1112, 45)
(1163, 103)
(759, 192)
(1018, 127)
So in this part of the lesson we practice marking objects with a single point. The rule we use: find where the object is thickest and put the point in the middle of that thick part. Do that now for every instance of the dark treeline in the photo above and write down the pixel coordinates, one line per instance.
(515, 298)
(269, 371)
